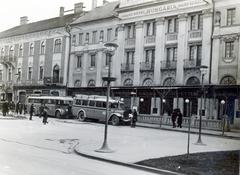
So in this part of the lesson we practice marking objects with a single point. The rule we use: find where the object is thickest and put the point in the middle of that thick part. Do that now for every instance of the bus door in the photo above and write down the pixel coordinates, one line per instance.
(51, 104)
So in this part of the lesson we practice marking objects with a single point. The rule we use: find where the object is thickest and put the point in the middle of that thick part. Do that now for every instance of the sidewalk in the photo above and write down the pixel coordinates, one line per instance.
(12, 117)
(132, 145)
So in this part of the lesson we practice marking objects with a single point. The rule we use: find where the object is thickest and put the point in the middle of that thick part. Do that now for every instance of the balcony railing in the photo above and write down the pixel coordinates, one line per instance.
(150, 39)
(52, 80)
(130, 42)
(195, 34)
(146, 66)
(172, 36)
(168, 64)
(7, 58)
(191, 63)
(127, 67)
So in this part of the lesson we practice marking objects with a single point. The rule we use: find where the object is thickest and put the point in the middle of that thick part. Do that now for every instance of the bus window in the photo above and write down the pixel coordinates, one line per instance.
(85, 102)
(78, 102)
(30, 100)
(114, 105)
(104, 104)
(99, 104)
(91, 103)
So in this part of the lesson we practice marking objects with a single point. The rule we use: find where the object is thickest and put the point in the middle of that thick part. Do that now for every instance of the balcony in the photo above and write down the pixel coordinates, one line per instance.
(52, 80)
(171, 37)
(130, 42)
(8, 60)
(127, 67)
(168, 65)
(146, 66)
(189, 64)
(195, 35)
(149, 40)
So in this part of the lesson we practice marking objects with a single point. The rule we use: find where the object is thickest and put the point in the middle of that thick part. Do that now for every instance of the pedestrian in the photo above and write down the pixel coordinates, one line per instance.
(179, 118)
(174, 117)
(20, 108)
(134, 119)
(4, 108)
(31, 110)
(69, 111)
(41, 108)
(45, 116)
(17, 107)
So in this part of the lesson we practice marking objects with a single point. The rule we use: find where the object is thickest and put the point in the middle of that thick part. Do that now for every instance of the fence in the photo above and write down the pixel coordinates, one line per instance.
(167, 120)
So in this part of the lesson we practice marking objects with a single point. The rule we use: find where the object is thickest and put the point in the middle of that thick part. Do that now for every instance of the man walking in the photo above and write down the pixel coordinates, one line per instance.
(31, 110)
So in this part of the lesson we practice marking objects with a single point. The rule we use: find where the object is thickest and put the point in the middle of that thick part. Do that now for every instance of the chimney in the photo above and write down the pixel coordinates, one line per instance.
(78, 8)
(61, 11)
(23, 20)
(105, 2)
(94, 4)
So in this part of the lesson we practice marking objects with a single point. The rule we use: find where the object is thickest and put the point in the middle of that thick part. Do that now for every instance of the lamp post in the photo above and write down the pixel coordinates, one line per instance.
(203, 70)
(222, 115)
(162, 111)
(189, 124)
(110, 49)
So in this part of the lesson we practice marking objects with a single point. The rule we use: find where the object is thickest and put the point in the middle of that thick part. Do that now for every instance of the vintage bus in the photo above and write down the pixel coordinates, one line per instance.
(56, 106)
(94, 107)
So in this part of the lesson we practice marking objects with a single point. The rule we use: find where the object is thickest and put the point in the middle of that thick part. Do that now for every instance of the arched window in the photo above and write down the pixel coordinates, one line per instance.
(169, 82)
(56, 71)
(77, 83)
(57, 46)
(193, 81)
(91, 83)
(148, 82)
(228, 80)
(42, 48)
(128, 82)
(20, 54)
(11, 52)
(31, 49)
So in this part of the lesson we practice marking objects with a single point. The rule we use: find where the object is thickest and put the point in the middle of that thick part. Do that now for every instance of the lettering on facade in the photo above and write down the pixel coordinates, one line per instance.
(162, 8)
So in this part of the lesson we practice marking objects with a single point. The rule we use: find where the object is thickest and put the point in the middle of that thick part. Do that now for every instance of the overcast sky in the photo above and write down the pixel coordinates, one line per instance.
(12, 10)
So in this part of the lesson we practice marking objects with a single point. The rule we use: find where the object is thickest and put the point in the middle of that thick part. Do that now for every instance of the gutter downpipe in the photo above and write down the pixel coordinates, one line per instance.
(68, 30)
(211, 49)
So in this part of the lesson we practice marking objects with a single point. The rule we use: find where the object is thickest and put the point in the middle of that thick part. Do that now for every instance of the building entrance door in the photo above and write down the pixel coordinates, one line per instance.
(145, 105)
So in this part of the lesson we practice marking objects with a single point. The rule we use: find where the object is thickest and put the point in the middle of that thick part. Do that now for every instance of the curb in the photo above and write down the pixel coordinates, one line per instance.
(130, 165)
(192, 132)
(12, 118)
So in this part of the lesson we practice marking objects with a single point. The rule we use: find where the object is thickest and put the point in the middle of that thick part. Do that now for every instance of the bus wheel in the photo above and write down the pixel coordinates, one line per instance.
(81, 116)
(115, 120)
(57, 114)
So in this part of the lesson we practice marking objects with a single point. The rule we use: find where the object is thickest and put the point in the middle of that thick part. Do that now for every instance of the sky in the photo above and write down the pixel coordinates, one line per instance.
(12, 10)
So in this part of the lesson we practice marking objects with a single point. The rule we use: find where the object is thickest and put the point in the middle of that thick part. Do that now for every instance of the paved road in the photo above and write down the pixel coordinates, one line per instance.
(30, 148)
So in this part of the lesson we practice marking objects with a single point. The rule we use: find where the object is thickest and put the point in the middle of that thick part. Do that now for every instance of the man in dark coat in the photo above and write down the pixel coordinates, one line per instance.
(174, 117)
(17, 107)
(179, 119)
(45, 116)
(134, 118)
(31, 110)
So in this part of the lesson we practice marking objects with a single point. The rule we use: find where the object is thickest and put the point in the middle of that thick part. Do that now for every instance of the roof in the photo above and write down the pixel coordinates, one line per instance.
(51, 98)
(38, 26)
(102, 12)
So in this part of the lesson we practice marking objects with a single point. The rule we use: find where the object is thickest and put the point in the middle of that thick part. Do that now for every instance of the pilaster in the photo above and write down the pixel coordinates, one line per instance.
(215, 60)
(159, 51)
(119, 55)
(65, 73)
(71, 70)
(182, 48)
(84, 69)
(138, 52)
(100, 56)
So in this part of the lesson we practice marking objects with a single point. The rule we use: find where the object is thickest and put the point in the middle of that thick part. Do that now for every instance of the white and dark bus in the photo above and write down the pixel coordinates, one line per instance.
(56, 106)
(94, 107)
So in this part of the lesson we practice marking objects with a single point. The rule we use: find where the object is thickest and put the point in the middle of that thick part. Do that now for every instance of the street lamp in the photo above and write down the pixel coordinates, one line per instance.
(189, 124)
(203, 70)
(222, 115)
(110, 49)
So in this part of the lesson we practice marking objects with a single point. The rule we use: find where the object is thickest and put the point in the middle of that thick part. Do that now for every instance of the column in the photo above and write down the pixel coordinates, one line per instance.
(84, 69)
(67, 49)
(215, 60)
(238, 56)
(182, 48)
(100, 56)
(206, 42)
(119, 55)
(159, 49)
(139, 50)
(71, 70)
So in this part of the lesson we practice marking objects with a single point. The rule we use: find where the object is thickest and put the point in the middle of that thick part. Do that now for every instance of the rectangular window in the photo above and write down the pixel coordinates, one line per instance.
(172, 54)
(101, 35)
(150, 28)
(93, 61)
(40, 72)
(30, 73)
(199, 55)
(80, 39)
(31, 49)
(42, 48)
(94, 37)
(170, 26)
(169, 54)
(19, 74)
(192, 53)
(131, 31)
(149, 56)
(87, 38)
(229, 49)
(109, 34)
(200, 22)
(57, 46)
(74, 40)
(194, 22)
(231, 15)
(176, 25)
(130, 57)
(1, 75)
(108, 59)
(79, 61)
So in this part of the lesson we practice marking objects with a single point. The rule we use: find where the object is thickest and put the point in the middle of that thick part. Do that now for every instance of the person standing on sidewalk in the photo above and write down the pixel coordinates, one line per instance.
(31, 110)
(17, 107)
(174, 117)
(179, 119)
(45, 115)
(134, 119)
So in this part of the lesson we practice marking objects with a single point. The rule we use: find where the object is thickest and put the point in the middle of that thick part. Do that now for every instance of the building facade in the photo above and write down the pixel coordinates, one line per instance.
(33, 57)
